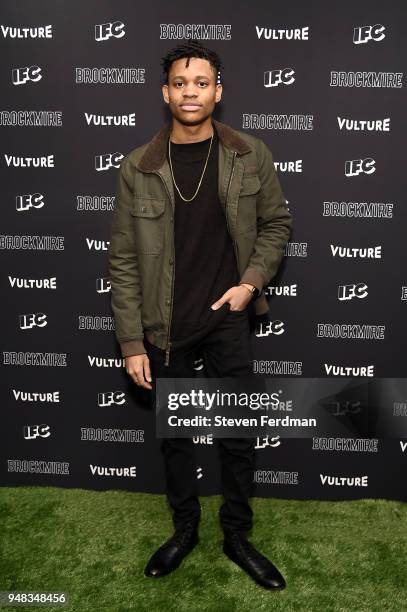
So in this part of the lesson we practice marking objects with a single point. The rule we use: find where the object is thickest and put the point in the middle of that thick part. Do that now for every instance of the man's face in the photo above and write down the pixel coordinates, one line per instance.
(191, 91)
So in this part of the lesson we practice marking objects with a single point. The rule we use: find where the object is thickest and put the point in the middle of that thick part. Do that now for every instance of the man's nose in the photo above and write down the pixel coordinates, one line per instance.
(189, 91)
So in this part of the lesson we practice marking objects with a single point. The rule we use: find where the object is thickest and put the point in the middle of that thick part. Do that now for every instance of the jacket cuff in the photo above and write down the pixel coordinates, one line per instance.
(132, 347)
(251, 276)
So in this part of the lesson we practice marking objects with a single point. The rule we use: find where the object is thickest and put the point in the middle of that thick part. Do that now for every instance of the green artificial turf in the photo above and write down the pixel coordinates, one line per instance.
(335, 556)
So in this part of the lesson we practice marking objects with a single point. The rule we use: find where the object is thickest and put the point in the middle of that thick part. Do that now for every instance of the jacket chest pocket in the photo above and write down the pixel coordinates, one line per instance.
(246, 215)
(148, 220)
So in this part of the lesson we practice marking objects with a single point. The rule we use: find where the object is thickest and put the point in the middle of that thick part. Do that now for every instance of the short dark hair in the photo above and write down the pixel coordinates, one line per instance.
(192, 48)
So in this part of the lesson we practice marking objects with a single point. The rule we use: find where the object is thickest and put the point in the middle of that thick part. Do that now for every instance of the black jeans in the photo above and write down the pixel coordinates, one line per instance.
(226, 350)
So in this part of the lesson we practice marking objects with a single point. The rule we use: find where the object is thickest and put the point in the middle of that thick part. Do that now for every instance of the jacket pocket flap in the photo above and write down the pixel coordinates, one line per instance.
(250, 185)
(147, 208)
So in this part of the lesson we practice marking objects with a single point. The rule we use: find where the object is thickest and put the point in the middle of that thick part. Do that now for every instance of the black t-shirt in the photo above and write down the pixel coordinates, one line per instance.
(205, 263)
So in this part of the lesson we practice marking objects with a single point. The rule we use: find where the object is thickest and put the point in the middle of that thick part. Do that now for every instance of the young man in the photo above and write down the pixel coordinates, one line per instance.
(199, 228)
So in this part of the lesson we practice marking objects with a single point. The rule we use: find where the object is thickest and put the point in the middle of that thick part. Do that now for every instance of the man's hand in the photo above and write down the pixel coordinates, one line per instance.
(138, 367)
(237, 296)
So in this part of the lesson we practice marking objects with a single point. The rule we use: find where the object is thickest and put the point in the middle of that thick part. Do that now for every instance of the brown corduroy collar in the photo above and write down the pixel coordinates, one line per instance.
(154, 155)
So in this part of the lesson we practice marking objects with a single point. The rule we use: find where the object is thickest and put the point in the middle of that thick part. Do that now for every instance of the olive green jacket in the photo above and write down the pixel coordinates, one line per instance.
(141, 254)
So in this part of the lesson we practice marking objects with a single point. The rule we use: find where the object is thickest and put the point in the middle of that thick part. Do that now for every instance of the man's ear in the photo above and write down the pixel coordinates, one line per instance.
(164, 90)
(219, 90)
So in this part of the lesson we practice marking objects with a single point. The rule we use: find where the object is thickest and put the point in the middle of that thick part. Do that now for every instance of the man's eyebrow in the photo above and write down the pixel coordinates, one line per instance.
(200, 76)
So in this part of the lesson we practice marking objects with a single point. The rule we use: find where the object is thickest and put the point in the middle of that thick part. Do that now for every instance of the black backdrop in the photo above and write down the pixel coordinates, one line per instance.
(62, 379)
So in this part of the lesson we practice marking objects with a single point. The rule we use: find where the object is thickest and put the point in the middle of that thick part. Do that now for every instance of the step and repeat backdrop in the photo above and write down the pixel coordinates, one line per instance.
(324, 85)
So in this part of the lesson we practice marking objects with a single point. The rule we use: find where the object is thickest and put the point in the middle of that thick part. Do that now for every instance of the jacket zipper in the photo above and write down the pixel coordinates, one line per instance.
(167, 350)
(226, 200)
(168, 343)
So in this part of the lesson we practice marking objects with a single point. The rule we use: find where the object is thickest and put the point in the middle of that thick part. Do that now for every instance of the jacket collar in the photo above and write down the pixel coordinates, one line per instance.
(155, 153)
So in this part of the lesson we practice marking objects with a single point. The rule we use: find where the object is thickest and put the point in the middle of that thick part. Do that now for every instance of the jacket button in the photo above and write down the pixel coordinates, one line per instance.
(171, 261)
(167, 301)
(172, 219)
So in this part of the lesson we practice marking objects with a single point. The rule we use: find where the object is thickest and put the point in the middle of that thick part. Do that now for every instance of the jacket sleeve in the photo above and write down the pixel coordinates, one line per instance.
(274, 223)
(123, 269)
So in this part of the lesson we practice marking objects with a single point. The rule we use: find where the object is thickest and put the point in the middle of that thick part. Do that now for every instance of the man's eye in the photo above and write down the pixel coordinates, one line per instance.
(202, 83)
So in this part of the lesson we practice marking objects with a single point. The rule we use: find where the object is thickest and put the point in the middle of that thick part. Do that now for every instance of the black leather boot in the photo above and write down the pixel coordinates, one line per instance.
(170, 554)
(242, 552)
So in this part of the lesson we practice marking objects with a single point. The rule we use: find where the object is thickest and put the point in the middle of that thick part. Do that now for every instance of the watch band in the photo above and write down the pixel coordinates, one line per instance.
(252, 289)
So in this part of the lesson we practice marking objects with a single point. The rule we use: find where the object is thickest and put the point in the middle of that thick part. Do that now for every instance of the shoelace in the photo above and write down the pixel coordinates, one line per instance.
(181, 535)
(243, 545)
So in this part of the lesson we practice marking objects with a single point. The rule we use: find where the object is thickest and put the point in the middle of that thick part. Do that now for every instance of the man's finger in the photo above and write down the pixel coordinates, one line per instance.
(221, 301)
(140, 382)
(147, 371)
(139, 371)
(133, 376)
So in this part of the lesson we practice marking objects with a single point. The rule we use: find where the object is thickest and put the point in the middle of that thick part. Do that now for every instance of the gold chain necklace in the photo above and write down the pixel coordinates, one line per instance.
(202, 175)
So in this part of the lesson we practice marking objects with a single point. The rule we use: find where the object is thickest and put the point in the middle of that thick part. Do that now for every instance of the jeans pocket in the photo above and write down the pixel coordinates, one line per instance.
(238, 312)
